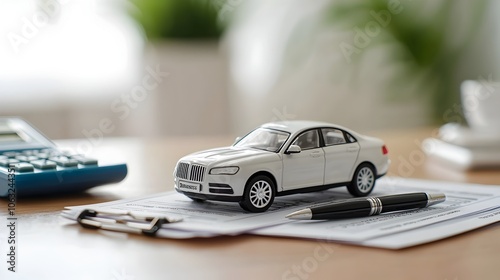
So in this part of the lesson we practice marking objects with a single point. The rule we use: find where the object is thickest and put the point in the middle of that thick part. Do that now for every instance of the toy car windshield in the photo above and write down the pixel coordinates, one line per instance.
(264, 139)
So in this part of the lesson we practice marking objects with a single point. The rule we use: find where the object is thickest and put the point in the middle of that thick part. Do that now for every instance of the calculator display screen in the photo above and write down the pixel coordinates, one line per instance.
(9, 133)
(16, 135)
(10, 136)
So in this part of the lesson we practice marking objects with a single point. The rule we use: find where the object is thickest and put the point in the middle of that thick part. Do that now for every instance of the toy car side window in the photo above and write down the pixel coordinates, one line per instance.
(333, 136)
(350, 138)
(307, 140)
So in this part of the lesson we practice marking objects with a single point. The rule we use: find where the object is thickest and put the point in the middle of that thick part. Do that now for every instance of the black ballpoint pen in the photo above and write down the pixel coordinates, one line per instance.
(369, 206)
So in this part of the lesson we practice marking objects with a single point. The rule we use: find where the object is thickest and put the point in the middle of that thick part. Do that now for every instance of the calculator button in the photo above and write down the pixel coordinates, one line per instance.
(29, 152)
(64, 161)
(43, 155)
(11, 154)
(68, 154)
(44, 164)
(23, 167)
(8, 162)
(26, 158)
(55, 153)
(49, 152)
(85, 161)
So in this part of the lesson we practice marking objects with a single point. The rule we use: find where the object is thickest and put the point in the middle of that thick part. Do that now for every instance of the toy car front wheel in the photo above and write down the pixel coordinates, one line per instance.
(259, 194)
(363, 180)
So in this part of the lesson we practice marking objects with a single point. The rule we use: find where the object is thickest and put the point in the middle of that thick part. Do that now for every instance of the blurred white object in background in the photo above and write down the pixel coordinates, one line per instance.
(257, 63)
(63, 62)
(461, 135)
(56, 51)
(481, 103)
(478, 145)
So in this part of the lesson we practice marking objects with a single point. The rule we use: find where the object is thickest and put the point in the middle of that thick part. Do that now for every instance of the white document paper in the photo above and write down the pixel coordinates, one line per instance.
(461, 200)
(467, 207)
(209, 218)
(435, 232)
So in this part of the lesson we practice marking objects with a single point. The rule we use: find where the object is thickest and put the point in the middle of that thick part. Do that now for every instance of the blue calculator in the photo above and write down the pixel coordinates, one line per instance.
(30, 164)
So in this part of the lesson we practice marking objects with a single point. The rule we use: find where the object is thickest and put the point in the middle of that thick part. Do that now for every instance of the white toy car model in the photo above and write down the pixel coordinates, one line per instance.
(283, 158)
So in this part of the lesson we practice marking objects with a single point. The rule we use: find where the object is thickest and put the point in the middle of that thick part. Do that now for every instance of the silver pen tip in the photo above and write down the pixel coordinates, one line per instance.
(304, 214)
(435, 198)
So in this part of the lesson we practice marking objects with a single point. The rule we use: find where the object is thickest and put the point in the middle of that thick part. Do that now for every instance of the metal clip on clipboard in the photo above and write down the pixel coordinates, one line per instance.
(122, 221)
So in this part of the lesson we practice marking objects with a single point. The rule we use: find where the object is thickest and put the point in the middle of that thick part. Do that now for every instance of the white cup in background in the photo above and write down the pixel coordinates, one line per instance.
(481, 104)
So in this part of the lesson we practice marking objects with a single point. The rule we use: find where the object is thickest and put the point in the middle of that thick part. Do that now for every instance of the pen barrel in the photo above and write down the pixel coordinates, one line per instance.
(403, 202)
(363, 207)
(342, 210)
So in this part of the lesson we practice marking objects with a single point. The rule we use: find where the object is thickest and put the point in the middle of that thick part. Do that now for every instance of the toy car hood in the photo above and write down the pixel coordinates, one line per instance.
(227, 155)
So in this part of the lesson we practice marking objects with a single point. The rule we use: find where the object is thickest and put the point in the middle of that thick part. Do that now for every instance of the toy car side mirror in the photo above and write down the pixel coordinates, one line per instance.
(293, 149)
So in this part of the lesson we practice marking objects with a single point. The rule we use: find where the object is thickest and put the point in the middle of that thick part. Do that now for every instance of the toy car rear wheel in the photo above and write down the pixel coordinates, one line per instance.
(259, 194)
(363, 180)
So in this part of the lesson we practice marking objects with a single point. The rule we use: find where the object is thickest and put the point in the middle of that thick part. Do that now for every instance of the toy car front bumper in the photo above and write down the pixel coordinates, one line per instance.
(213, 187)
(214, 197)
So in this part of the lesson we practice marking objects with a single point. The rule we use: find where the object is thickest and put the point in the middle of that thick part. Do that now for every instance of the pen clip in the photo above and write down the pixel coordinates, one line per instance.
(122, 221)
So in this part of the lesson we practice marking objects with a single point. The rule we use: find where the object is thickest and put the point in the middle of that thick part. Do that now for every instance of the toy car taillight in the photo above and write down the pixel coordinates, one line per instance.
(384, 150)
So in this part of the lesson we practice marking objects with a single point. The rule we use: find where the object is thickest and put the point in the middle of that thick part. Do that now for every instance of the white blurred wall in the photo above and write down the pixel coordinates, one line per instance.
(203, 93)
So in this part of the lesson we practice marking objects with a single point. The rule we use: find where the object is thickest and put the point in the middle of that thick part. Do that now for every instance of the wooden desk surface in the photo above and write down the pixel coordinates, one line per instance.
(52, 248)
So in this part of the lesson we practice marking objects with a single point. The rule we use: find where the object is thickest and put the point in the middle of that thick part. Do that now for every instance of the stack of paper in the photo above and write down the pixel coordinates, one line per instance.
(467, 207)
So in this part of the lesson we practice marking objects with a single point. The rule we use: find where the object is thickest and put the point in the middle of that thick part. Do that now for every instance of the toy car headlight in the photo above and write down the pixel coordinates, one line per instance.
(231, 170)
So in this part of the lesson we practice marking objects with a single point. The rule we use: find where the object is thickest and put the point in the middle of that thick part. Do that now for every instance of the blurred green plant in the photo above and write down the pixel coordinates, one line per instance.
(423, 37)
(178, 19)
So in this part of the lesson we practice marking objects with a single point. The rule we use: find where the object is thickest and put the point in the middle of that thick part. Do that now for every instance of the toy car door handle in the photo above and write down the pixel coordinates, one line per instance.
(315, 154)
(352, 149)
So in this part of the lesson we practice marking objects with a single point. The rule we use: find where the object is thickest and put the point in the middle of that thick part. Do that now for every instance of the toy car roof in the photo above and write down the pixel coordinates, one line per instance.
(294, 126)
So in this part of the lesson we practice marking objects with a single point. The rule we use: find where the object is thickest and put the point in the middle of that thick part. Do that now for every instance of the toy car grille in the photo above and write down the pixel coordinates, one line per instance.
(197, 172)
(182, 170)
(194, 172)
